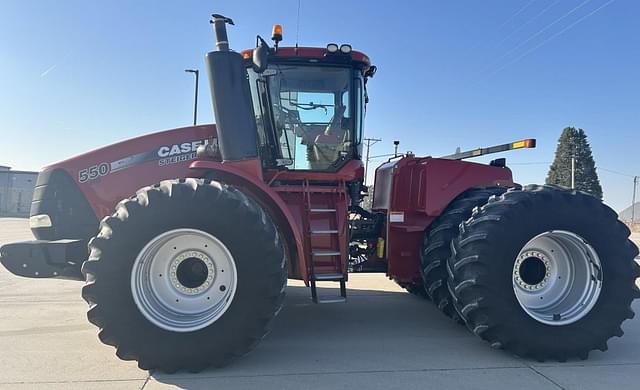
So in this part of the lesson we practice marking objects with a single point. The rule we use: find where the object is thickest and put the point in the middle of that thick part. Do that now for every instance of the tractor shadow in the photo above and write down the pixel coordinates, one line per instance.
(373, 331)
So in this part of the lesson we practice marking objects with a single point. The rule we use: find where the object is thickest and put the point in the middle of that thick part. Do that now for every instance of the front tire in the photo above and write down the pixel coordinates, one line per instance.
(185, 275)
(544, 272)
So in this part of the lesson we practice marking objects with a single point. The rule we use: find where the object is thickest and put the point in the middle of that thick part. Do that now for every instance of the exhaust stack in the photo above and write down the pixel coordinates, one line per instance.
(231, 97)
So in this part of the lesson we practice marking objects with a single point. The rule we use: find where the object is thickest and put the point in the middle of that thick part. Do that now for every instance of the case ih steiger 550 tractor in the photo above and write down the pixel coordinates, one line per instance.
(191, 268)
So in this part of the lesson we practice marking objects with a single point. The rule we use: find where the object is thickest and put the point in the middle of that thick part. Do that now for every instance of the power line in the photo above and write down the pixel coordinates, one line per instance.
(551, 37)
(518, 12)
(478, 43)
(616, 172)
(523, 25)
(532, 163)
(545, 28)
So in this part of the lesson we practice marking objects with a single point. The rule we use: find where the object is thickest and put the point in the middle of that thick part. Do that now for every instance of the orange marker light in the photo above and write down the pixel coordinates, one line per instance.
(525, 143)
(276, 33)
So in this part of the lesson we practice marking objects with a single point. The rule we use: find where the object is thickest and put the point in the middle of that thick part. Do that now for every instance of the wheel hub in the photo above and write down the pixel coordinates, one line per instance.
(184, 280)
(532, 270)
(557, 277)
(192, 272)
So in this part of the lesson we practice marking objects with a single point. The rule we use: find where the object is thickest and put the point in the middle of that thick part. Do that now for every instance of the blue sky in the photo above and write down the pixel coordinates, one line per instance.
(75, 75)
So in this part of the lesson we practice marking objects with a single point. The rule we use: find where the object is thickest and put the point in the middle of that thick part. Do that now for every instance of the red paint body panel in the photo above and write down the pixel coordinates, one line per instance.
(421, 188)
(144, 156)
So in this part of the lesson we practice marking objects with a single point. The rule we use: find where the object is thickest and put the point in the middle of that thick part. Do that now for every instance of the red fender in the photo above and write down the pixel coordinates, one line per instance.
(247, 175)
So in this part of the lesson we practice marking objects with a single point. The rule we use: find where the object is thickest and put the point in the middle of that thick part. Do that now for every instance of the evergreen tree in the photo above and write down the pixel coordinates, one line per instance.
(574, 141)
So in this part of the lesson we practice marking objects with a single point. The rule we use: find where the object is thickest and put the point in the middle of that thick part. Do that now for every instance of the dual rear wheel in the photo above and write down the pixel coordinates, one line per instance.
(543, 272)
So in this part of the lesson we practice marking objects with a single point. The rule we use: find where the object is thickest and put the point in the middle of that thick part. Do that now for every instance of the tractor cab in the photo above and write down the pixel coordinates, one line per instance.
(309, 105)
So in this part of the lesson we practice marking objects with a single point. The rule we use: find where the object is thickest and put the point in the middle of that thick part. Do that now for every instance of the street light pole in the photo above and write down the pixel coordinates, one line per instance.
(195, 102)
(396, 143)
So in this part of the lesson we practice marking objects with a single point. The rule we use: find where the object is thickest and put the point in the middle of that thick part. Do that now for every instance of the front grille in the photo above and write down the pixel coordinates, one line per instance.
(57, 195)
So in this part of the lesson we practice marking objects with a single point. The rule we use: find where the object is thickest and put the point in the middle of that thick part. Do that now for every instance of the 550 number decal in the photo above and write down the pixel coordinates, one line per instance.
(93, 172)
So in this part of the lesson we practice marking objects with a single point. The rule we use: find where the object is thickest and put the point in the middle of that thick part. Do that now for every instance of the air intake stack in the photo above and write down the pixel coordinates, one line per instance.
(231, 97)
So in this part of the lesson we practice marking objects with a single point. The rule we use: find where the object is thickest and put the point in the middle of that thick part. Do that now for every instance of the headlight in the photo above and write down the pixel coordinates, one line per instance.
(39, 221)
(332, 48)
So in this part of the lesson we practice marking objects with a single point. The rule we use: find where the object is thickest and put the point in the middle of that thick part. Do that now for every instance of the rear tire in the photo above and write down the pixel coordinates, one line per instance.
(534, 312)
(134, 309)
(436, 246)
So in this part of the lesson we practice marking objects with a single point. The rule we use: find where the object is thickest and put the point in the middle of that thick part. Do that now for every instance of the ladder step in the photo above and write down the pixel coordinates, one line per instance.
(334, 277)
(332, 300)
(328, 277)
(322, 210)
(325, 253)
(324, 232)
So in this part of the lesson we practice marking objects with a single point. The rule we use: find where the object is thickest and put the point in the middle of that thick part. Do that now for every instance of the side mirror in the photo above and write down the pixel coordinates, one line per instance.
(260, 55)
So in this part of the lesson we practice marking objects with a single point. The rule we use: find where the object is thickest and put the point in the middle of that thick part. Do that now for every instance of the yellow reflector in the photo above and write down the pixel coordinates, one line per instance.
(525, 143)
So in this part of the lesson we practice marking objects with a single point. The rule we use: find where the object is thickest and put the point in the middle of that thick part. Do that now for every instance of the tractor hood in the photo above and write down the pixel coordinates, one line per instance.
(94, 182)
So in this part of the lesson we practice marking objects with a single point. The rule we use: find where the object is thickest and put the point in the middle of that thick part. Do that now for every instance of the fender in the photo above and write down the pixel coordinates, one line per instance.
(269, 199)
(413, 192)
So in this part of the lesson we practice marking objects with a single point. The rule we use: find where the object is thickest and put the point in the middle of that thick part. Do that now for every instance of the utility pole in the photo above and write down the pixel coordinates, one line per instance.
(195, 103)
(633, 201)
(573, 171)
(369, 142)
(573, 168)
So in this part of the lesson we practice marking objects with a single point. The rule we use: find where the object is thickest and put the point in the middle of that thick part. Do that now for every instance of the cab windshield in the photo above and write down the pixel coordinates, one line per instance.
(311, 123)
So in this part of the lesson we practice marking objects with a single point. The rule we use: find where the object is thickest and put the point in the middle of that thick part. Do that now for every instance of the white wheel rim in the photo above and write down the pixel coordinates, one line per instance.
(184, 280)
(557, 277)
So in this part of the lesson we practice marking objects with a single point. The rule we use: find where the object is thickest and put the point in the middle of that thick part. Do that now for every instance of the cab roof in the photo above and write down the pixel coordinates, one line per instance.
(319, 53)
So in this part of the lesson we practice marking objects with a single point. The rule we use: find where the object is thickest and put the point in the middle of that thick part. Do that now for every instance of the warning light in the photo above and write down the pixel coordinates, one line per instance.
(276, 33)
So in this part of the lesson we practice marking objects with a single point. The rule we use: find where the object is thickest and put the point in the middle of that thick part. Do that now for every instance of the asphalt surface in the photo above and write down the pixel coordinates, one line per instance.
(383, 338)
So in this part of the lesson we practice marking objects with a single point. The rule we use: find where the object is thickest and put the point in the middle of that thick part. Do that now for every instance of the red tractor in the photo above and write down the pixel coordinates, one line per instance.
(210, 221)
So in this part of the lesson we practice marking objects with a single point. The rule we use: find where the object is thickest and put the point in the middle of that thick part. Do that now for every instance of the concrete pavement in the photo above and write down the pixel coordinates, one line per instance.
(382, 338)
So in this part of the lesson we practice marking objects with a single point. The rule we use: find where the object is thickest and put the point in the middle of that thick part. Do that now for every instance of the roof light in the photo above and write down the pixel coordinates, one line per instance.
(346, 49)
(276, 33)
(332, 48)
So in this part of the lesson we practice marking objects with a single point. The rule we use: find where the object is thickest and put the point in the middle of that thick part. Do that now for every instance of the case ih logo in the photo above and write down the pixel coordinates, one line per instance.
(178, 152)
(185, 147)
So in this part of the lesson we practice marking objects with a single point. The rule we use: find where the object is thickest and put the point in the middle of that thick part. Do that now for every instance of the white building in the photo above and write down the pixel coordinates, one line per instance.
(16, 191)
